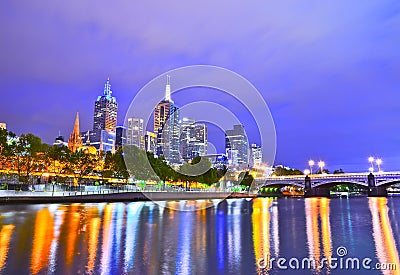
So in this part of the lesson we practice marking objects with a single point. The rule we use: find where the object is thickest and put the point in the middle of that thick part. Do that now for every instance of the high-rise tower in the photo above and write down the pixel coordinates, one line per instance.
(236, 145)
(75, 140)
(166, 125)
(105, 110)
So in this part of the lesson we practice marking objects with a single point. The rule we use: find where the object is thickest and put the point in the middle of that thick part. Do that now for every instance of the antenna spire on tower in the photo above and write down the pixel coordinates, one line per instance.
(168, 90)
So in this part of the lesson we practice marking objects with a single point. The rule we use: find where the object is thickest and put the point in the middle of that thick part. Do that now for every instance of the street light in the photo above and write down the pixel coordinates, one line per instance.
(379, 162)
(371, 160)
(307, 172)
(321, 165)
(311, 164)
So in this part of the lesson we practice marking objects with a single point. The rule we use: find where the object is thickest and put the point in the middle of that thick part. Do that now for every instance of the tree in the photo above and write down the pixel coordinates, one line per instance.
(246, 179)
(81, 164)
(283, 171)
(58, 158)
(340, 171)
(28, 152)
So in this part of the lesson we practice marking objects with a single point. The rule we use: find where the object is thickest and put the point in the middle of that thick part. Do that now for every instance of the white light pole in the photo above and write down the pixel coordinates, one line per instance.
(321, 165)
(311, 164)
(371, 160)
(307, 172)
(379, 162)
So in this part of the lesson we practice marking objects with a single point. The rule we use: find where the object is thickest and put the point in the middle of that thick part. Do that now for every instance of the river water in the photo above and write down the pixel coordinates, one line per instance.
(237, 236)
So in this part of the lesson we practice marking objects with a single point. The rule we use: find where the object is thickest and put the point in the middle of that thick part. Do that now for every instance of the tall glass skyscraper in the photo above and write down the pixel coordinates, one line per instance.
(105, 110)
(167, 128)
(236, 145)
(103, 135)
(193, 139)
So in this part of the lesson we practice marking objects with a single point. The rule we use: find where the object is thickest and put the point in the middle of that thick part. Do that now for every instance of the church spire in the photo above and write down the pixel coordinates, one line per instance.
(168, 90)
(75, 139)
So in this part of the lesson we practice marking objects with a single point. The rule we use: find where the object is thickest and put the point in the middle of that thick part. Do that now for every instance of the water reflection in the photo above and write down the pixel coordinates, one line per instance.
(5, 236)
(318, 229)
(385, 243)
(42, 240)
(144, 238)
(263, 224)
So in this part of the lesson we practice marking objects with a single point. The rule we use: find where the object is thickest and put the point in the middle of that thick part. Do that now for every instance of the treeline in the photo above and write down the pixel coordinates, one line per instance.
(27, 155)
(145, 166)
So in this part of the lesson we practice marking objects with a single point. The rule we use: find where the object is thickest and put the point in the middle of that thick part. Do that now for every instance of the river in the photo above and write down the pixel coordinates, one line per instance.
(235, 236)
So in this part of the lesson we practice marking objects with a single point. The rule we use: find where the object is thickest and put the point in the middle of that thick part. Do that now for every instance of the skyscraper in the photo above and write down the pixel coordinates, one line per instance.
(134, 132)
(103, 135)
(193, 139)
(236, 145)
(150, 142)
(255, 155)
(105, 110)
(166, 126)
(120, 136)
(75, 140)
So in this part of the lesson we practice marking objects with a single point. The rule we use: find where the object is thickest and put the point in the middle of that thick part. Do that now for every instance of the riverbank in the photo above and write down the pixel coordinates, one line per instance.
(41, 197)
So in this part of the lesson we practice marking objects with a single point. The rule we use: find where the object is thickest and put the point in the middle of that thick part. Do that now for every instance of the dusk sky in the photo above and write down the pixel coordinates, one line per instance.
(328, 70)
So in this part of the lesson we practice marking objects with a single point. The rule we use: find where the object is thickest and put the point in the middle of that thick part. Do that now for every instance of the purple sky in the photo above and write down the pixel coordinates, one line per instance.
(328, 70)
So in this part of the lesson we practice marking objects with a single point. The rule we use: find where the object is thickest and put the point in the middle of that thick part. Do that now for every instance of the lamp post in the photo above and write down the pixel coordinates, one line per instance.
(371, 160)
(307, 172)
(311, 164)
(379, 162)
(321, 165)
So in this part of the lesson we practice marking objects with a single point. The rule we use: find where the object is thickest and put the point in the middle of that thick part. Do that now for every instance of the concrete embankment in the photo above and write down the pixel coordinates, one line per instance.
(120, 197)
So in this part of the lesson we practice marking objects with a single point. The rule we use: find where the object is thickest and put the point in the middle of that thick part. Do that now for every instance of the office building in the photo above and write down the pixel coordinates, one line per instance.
(120, 136)
(105, 110)
(150, 142)
(193, 139)
(134, 132)
(236, 146)
(255, 155)
(167, 128)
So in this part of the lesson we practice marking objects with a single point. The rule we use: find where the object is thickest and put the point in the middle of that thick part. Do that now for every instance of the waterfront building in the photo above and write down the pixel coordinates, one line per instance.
(3, 125)
(236, 146)
(150, 142)
(75, 139)
(120, 136)
(167, 128)
(105, 110)
(255, 155)
(134, 132)
(193, 139)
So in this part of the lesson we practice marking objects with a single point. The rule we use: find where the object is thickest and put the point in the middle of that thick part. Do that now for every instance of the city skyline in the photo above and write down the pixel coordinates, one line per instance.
(328, 83)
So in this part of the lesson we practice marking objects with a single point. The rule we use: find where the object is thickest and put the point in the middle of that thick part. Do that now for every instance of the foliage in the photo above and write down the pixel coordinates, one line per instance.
(246, 178)
(283, 171)
(340, 171)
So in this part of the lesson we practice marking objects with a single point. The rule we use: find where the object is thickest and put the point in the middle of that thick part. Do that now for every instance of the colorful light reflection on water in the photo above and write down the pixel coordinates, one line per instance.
(228, 237)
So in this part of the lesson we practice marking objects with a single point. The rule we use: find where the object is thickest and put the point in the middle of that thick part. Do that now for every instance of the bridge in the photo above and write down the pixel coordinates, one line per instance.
(318, 185)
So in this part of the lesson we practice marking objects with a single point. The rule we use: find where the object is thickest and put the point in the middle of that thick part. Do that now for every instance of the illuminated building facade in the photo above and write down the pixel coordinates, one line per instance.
(236, 146)
(167, 128)
(255, 155)
(105, 110)
(75, 139)
(193, 139)
(120, 136)
(134, 132)
(3, 126)
(150, 142)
